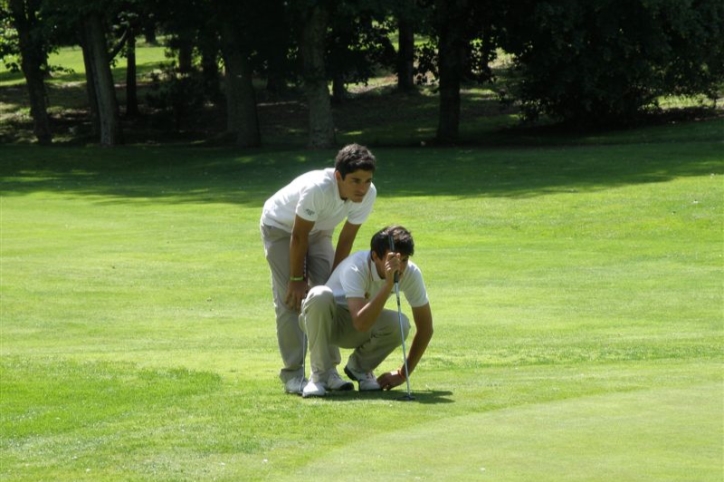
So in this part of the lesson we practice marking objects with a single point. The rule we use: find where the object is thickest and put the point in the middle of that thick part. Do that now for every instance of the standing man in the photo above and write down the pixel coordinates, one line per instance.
(296, 227)
(349, 312)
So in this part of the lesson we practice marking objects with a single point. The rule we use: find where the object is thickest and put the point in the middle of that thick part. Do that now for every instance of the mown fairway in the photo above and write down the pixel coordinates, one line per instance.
(576, 288)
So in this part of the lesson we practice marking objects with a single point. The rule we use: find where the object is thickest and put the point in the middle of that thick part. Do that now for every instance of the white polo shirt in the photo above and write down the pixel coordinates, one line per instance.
(356, 277)
(314, 196)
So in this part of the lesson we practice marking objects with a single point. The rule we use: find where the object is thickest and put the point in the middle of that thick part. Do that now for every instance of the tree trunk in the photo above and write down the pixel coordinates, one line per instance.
(405, 55)
(33, 60)
(312, 45)
(90, 88)
(131, 85)
(210, 68)
(95, 41)
(185, 53)
(149, 30)
(276, 51)
(451, 57)
(242, 117)
(339, 89)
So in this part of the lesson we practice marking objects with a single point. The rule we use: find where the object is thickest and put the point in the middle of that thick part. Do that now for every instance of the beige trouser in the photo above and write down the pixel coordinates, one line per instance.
(318, 267)
(328, 324)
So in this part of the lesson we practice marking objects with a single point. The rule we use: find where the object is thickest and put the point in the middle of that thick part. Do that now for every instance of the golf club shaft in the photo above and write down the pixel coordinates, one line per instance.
(399, 319)
(402, 335)
(305, 341)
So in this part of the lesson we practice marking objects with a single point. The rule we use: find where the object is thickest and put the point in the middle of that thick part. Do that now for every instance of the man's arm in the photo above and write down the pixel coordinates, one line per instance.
(423, 334)
(344, 243)
(365, 312)
(297, 288)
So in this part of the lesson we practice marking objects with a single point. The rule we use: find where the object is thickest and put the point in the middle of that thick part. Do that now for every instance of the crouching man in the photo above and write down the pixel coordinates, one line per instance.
(349, 312)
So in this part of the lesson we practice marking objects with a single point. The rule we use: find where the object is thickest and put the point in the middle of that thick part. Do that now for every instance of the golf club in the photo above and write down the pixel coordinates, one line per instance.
(408, 396)
(305, 342)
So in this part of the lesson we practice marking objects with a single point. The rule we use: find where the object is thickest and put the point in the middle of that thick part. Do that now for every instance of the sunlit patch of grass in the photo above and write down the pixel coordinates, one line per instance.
(575, 280)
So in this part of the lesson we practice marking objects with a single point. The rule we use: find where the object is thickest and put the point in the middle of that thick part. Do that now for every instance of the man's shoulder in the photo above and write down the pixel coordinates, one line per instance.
(314, 177)
(415, 267)
(354, 263)
(321, 181)
(358, 258)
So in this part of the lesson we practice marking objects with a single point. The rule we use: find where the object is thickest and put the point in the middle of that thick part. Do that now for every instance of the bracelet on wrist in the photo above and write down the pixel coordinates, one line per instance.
(296, 278)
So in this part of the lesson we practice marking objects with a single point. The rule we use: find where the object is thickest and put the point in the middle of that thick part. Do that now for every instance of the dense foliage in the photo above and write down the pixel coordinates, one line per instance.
(592, 62)
(604, 61)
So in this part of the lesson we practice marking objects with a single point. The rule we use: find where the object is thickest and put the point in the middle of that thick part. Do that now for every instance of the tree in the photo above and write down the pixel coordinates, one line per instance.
(33, 54)
(602, 62)
(275, 43)
(129, 25)
(95, 48)
(465, 42)
(314, 21)
(242, 117)
(357, 44)
(131, 83)
(450, 15)
(86, 23)
(406, 46)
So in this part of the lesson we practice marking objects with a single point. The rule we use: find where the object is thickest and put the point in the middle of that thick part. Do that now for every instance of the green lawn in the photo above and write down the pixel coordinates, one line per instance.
(67, 63)
(576, 288)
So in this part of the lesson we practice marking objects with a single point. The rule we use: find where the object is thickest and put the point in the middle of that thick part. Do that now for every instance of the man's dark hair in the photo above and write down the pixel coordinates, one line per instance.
(352, 158)
(402, 238)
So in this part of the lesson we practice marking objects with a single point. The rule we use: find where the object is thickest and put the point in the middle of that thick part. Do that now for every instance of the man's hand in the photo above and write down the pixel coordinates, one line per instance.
(390, 380)
(392, 266)
(296, 292)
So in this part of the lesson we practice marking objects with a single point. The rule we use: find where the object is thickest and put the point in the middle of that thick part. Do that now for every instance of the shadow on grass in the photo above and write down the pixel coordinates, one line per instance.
(425, 397)
(223, 175)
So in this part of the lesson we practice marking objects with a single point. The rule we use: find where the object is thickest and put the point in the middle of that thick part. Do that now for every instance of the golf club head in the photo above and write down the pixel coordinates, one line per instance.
(406, 398)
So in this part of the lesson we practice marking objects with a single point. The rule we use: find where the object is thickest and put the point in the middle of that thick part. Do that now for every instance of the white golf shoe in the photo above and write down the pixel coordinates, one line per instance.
(295, 385)
(314, 389)
(367, 381)
(319, 384)
(334, 382)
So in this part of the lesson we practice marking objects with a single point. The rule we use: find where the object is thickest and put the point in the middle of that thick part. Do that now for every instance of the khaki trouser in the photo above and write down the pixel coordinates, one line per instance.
(328, 325)
(318, 267)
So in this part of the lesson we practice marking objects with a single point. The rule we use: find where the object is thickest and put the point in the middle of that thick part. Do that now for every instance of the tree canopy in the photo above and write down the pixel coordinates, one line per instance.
(595, 62)
(601, 62)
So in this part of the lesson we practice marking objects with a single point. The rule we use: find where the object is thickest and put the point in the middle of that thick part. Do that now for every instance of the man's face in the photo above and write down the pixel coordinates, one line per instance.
(355, 186)
(380, 264)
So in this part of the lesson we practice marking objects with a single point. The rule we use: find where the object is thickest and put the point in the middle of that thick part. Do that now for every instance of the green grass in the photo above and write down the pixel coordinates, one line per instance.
(576, 287)
(72, 68)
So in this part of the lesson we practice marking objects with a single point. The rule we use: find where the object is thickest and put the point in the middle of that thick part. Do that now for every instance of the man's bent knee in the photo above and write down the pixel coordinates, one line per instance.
(318, 295)
(317, 306)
